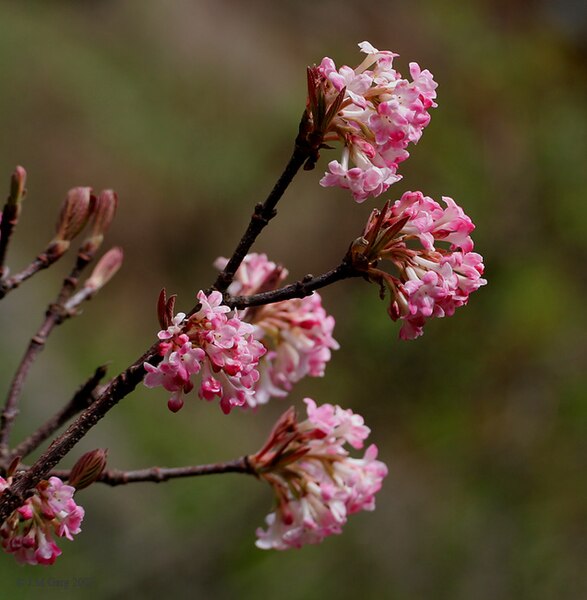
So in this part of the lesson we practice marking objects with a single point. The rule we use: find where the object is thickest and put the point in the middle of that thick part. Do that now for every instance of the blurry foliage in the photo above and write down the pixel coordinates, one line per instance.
(188, 110)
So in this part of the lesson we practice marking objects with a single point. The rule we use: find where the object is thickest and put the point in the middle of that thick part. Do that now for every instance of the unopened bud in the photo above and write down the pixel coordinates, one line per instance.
(102, 217)
(88, 468)
(165, 308)
(12, 467)
(105, 270)
(75, 212)
(17, 186)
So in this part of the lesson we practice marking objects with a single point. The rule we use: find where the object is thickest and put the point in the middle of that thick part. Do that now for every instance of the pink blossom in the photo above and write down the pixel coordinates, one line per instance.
(433, 280)
(215, 342)
(315, 481)
(28, 532)
(296, 333)
(255, 274)
(370, 181)
(379, 116)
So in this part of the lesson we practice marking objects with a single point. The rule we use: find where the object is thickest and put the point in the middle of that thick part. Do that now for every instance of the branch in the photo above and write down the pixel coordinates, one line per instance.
(264, 212)
(118, 388)
(55, 315)
(114, 477)
(75, 212)
(11, 498)
(300, 289)
(83, 398)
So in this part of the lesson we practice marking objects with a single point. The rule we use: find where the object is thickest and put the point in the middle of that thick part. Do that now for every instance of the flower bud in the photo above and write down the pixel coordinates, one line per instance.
(105, 270)
(17, 186)
(165, 308)
(88, 468)
(102, 216)
(11, 470)
(75, 212)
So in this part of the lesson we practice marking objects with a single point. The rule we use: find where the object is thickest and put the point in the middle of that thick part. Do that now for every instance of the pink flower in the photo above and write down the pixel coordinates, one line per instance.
(376, 115)
(298, 336)
(28, 532)
(297, 333)
(431, 281)
(370, 181)
(214, 342)
(315, 481)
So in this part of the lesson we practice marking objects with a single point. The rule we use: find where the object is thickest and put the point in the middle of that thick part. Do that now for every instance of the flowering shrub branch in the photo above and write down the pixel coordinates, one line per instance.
(249, 338)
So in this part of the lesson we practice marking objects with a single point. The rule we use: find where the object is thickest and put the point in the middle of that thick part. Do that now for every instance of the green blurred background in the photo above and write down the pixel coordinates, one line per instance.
(188, 110)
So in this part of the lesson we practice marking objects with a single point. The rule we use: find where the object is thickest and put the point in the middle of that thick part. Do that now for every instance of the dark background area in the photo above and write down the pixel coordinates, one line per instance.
(189, 110)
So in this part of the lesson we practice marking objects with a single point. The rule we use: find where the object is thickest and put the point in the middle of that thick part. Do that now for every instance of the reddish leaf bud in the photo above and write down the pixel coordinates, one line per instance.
(12, 467)
(17, 186)
(102, 216)
(75, 212)
(88, 468)
(165, 307)
(105, 270)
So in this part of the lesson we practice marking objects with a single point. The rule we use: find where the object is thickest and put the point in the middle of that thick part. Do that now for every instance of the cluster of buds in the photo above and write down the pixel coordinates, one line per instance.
(50, 510)
(297, 333)
(220, 346)
(374, 113)
(80, 207)
(431, 281)
(315, 481)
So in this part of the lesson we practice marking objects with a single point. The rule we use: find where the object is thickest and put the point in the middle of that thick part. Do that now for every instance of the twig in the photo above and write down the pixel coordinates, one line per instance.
(41, 262)
(264, 212)
(114, 477)
(301, 288)
(75, 212)
(117, 389)
(55, 315)
(83, 398)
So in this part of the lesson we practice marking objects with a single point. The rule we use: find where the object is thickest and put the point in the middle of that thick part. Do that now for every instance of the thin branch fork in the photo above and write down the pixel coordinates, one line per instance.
(55, 315)
(118, 388)
(84, 396)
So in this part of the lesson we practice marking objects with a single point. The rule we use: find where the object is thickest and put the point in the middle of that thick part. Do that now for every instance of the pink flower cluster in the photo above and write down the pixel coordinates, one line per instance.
(28, 532)
(433, 281)
(317, 484)
(380, 114)
(297, 333)
(219, 347)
